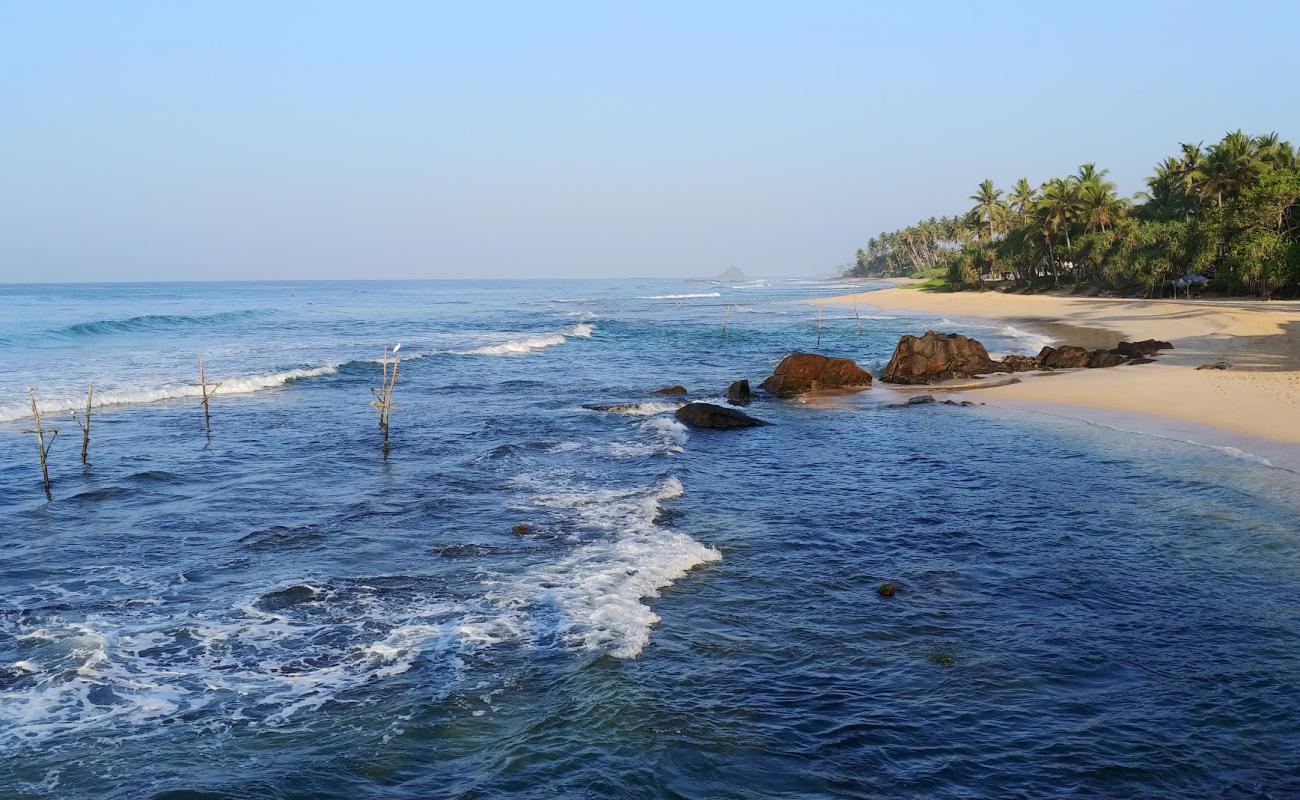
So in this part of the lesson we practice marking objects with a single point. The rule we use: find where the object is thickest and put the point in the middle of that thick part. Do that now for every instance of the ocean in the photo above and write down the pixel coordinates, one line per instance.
(279, 609)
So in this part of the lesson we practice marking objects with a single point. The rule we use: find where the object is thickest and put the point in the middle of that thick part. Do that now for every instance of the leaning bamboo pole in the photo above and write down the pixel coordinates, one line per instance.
(726, 315)
(858, 318)
(819, 325)
(44, 446)
(84, 422)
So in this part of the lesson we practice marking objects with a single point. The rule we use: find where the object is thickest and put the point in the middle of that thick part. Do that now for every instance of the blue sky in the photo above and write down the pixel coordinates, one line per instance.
(146, 141)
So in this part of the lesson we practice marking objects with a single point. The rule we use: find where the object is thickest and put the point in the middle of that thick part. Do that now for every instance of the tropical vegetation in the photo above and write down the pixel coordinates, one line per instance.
(1227, 215)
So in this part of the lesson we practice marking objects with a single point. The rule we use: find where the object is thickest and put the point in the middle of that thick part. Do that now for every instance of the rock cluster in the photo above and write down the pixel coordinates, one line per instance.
(938, 357)
(1071, 357)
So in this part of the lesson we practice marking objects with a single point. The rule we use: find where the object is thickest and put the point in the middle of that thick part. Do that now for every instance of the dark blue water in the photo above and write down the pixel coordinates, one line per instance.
(279, 611)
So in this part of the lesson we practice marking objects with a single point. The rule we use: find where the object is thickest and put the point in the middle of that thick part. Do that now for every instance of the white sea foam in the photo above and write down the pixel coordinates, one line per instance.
(276, 661)
(649, 408)
(681, 296)
(592, 598)
(529, 344)
(59, 404)
(1032, 341)
(666, 436)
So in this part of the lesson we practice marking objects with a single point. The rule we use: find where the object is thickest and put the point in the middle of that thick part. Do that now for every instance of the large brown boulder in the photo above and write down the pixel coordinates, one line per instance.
(707, 415)
(1066, 357)
(808, 372)
(937, 357)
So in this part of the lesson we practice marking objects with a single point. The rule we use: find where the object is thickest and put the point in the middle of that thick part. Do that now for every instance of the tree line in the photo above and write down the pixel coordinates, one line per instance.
(1229, 212)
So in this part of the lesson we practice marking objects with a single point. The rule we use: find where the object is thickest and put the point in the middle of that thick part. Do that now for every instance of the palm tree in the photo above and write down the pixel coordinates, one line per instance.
(1022, 197)
(1058, 209)
(1100, 208)
(989, 208)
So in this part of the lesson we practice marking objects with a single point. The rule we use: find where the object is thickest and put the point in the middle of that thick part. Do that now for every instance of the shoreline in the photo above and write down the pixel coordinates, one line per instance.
(1258, 398)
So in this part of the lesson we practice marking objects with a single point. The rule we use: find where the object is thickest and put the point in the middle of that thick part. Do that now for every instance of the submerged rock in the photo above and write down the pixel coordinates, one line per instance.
(462, 551)
(707, 415)
(650, 407)
(285, 598)
(522, 529)
(738, 392)
(920, 400)
(937, 357)
(1216, 365)
(886, 590)
(670, 391)
(808, 372)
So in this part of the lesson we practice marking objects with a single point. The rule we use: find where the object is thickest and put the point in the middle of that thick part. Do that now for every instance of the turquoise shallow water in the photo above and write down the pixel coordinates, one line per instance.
(280, 611)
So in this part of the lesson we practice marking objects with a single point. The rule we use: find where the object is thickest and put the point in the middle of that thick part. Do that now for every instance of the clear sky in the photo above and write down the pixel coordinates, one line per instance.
(230, 140)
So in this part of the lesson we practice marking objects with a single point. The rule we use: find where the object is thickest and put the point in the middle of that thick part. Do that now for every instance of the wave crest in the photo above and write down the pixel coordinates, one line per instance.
(529, 344)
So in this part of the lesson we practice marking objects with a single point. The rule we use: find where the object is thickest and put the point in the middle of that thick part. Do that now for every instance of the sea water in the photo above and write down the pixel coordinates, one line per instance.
(280, 610)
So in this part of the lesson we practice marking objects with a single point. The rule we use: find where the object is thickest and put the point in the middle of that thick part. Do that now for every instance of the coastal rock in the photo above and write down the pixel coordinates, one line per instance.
(920, 400)
(886, 590)
(1216, 365)
(1016, 363)
(1106, 358)
(522, 529)
(738, 392)
(1146, 347)
(707, 415)
(937, 357)
(808, 372)
(1067, 357)
(1141, 360)
(670, 391)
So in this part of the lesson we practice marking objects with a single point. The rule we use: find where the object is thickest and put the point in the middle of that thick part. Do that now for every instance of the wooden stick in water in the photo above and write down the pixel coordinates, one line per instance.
(207, 395)
(84, 422)
(44, 446)
(384, 403)
(855, 316)
(819, 325)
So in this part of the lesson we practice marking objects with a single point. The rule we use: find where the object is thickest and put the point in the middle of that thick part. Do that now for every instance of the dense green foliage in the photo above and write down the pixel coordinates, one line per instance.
(1230, 212)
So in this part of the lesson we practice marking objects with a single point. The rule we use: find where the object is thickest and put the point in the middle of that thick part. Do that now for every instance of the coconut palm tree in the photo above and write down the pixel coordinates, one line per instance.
(989, 209)
(1022, 197)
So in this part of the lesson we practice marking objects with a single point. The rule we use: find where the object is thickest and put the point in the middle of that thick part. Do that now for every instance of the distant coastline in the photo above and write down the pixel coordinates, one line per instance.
(1224, 217)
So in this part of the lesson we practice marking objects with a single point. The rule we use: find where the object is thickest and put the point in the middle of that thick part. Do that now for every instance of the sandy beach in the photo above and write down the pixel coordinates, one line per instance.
(1259, 396)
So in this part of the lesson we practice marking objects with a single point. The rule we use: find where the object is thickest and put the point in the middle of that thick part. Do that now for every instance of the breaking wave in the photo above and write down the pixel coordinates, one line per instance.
(10, 412)
(529, 344)
(591, 599)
